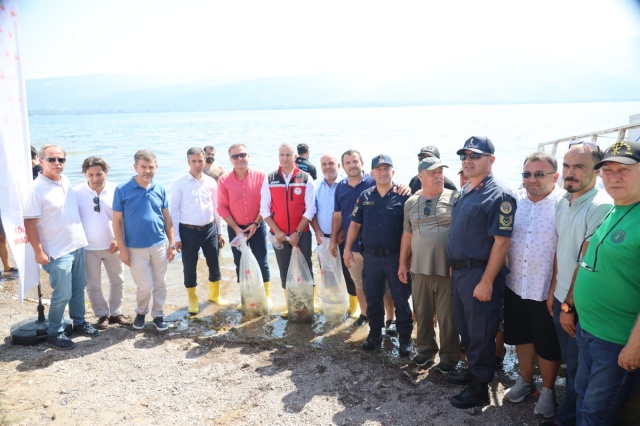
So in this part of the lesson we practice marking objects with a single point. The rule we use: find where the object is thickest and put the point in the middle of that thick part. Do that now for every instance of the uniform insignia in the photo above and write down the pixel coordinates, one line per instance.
(471, 142)
(368, 203)
(618, 236)
(506, 223)
(380, 157)
(355, 210)
(619, 146)
(506, 207)
(297, 191)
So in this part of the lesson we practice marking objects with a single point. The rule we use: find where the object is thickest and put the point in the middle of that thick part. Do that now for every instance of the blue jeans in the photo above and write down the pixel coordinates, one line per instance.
(602, 386)
(192, 241)
(569, 350)
(258, 246)
(68, 278)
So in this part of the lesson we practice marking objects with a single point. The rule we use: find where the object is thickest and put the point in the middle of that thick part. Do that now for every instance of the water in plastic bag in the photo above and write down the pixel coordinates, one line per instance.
(333, 290)
(299, 288)
(252, 294)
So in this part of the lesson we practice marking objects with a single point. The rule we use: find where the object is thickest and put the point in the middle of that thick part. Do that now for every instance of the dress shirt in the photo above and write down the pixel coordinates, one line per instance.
(325, 199)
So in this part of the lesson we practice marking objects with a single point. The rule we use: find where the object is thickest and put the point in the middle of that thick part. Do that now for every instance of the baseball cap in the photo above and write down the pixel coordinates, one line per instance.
(430, 163)
(381, 159)
(429, 150)
(478, 144)
(621, 152)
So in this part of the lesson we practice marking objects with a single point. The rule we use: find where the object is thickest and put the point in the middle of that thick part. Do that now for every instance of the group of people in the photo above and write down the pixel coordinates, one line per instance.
(471, 258)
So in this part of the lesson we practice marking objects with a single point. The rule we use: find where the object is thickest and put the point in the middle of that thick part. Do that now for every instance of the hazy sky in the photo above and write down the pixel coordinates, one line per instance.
(373, 40)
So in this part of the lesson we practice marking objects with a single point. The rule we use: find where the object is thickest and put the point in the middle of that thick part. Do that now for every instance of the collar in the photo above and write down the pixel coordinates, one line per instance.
(583, 198)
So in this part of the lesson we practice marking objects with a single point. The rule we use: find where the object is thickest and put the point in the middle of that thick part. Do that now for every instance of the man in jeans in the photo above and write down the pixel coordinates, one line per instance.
(53, 225)
(142, 225)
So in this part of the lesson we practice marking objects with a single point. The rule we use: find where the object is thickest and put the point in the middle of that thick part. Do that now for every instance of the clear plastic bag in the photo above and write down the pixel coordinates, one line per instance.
(252, 294)
(299, 288)
(333, 290)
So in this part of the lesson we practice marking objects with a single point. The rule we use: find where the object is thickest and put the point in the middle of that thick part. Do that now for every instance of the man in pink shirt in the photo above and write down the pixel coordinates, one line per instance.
(239, 206)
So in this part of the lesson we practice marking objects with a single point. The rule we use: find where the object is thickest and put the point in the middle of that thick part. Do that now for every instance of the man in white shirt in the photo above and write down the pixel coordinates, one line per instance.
(193, 207)
(54, 229)
(95, 200)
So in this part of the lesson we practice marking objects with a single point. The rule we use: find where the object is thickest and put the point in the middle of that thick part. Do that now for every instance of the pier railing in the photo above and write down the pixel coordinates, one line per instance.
(592, 136)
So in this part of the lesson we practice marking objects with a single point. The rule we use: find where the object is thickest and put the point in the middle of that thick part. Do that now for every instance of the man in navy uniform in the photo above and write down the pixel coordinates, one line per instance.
(378, 213)
(479, 237)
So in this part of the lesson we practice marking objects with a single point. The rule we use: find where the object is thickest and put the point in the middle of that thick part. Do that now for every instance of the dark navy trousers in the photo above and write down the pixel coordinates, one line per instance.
(192, 241)
(477, 322)
(376, 273)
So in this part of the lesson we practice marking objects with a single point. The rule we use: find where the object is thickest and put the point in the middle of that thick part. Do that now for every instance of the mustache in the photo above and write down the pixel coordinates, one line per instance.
(570, 179)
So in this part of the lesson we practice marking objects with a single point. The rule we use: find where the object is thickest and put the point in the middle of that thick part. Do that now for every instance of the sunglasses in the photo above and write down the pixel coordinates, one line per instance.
(54, 159)
(240, 155)
(96, 201)
(473, 156)
(589, 144)
(537, 175)
(427, 208)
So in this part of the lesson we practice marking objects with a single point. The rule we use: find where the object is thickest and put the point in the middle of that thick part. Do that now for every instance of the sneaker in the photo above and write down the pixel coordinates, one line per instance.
(374, 340)
(461, 375)
(61, 342)
(12, 271)
(422, 361)
(120, 319)
(405, 346)
(390, 328)
(360, 321)
(138, 323)
(102, 324)
(546, 405)
(474, 395)
(160, 324)
(443, 367)
(85, 329)
(521, 390)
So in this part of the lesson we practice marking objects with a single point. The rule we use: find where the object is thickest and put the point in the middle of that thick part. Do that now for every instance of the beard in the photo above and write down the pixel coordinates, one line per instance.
(209, 160)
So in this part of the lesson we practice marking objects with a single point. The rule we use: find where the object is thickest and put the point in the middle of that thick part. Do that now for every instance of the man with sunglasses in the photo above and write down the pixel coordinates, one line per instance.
(479, 238)
(52, 223)
(607, 296)
(527, 323)
(578, 214)
(95, 200)
(239, 206)
(426, 152)
(423, 251)
(192, 206)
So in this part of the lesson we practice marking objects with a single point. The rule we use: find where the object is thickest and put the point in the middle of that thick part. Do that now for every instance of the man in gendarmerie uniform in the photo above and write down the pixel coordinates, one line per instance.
(378, 214)
(479, 238)
(287, 204)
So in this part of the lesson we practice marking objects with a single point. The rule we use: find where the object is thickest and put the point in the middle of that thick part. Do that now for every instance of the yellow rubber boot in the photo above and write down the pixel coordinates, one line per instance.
(214, 293)
(316, 305)
(193, 308)
(285, 314)
(267, 290)
(354, 307)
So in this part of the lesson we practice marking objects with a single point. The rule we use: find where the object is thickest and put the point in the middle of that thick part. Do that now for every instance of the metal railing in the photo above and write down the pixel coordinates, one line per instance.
(621, 131)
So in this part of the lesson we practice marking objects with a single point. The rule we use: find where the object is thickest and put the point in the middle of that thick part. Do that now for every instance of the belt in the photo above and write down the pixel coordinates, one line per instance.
(198, 228)
(381, 252)
(468, 264)
(327, 235)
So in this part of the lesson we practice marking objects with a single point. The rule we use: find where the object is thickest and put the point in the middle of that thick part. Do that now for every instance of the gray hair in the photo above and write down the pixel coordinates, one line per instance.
(144, 155)
(236, 145)
(196, 150)
(289, 146)
(542, 156)
(43, 148)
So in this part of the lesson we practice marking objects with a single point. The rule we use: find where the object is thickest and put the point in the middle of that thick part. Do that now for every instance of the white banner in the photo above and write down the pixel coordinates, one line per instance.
(15, 151)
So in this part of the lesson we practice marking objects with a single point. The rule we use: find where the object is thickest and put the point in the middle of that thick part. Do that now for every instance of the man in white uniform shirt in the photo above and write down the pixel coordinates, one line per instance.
(193, 208)
(528, 323)
(95, 200)
(54, 229)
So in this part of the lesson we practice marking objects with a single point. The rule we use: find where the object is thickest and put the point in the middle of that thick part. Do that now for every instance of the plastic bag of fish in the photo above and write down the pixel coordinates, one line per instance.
(333, 290)
(252, 293)
(299, 288)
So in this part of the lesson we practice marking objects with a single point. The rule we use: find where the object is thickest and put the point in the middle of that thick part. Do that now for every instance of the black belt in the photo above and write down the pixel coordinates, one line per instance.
(327, 235)
(468, 264)
(381, 252)
(198, 228)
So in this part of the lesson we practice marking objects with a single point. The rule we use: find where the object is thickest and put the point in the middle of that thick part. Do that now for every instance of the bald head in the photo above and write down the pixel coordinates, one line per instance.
(329, 166)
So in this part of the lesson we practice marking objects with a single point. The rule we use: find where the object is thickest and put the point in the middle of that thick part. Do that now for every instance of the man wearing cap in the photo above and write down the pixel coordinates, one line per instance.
(527, 323)
(426, 152)
(302, 161)
(378, 214)
(480, 235)
(578, 215)
(607, 295)
(423, 251)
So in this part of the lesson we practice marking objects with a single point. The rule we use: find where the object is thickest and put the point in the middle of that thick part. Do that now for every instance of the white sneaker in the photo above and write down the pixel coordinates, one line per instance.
(546, 405)
(519, 391)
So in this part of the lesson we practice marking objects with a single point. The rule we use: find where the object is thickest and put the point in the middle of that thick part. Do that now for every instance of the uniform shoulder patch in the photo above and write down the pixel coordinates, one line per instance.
(506, 207)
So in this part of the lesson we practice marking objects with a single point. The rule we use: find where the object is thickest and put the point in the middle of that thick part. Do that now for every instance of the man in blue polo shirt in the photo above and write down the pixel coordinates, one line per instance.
(479, 238)
(142, 225)
(379, 213)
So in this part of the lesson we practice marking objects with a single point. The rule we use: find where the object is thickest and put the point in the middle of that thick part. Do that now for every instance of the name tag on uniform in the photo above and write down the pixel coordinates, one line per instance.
(368, 203)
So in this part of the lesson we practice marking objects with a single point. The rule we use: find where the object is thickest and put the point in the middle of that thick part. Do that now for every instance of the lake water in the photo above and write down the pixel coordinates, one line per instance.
(400, 132)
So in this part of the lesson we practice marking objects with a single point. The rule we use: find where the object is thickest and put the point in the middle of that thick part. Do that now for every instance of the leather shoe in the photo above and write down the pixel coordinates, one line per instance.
(102, 324)
(405, 346)
(460, 375)
(474, 395)
(120, 319)
(374, 340)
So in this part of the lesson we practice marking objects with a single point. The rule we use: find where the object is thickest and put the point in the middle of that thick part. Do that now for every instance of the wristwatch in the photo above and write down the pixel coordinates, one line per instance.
(567, 308)
(173, 246)
(299, 233)
(256, 224)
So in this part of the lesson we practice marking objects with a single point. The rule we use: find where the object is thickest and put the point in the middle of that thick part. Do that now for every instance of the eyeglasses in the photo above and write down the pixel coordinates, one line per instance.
(239, 155)
(537, 175)
(423, 156)
(428, 219)
(96, 201)
(473, 156)
(54, 159)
